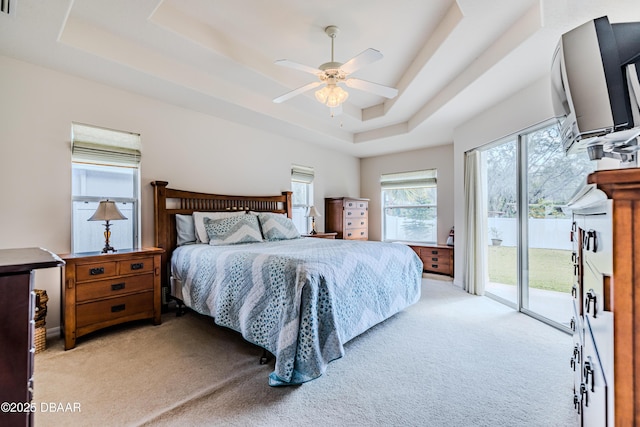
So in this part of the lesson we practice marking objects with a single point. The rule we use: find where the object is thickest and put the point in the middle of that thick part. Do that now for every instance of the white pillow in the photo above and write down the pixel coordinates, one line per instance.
(198, 220)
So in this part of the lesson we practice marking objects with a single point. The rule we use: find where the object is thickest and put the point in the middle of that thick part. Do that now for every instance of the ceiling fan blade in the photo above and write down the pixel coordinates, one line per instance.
(296, 66)
(375, 88)
(295, 92)
(360, 60)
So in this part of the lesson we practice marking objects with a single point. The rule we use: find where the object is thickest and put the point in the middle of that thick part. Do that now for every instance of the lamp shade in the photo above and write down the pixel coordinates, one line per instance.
(313, 212)
(107, 211)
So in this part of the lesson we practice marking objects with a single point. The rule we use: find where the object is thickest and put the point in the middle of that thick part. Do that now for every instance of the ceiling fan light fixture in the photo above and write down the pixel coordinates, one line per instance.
(332, 95)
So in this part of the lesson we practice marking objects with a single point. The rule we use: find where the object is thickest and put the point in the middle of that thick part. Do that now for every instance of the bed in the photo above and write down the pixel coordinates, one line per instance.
(299, 298)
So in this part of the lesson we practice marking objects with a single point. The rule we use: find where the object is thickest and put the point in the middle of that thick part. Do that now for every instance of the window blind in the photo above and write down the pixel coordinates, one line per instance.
(91, 144)
(414, 179)
(302, 174)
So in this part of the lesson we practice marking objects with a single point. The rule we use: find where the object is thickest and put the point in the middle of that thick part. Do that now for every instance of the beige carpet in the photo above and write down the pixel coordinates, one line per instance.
(450, 360)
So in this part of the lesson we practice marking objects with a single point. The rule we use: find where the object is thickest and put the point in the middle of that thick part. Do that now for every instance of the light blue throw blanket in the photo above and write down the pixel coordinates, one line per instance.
(300, 299)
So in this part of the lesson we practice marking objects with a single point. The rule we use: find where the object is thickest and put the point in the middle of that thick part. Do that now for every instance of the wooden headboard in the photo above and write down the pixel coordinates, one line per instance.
(169, 202)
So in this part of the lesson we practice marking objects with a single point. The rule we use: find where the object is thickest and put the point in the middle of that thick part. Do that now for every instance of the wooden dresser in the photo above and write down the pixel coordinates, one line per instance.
(101, 290)
(348, 217)
(17, 304)
(606, 295)
(435, 258)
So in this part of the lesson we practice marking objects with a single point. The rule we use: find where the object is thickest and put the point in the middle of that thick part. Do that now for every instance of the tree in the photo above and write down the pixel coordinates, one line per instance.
(553, 177)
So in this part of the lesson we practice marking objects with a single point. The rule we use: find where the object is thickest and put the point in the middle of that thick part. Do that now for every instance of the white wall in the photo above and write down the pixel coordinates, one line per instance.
(525, 108)
(440, 158)
(188, 149)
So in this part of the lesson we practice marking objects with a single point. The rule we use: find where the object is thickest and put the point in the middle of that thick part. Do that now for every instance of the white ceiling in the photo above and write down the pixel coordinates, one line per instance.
(449, 59)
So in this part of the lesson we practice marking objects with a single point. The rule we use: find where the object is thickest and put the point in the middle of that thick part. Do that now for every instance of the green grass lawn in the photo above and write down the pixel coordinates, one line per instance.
(549, 269)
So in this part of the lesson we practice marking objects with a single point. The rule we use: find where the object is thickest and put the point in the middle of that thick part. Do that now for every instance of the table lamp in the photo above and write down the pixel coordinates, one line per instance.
(313, 213)
(107, 211)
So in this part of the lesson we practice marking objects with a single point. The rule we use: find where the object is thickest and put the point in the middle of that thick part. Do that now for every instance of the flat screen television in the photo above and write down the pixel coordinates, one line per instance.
(591, 89)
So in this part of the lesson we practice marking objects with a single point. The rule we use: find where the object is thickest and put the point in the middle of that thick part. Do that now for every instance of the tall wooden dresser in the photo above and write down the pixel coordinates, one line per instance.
(606, 291)
(349, 217)
(17, 305)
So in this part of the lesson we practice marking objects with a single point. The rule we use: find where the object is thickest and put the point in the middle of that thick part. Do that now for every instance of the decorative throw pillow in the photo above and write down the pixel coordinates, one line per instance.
(277, 227)
(233, 230)
(185, 229)
(198, 220)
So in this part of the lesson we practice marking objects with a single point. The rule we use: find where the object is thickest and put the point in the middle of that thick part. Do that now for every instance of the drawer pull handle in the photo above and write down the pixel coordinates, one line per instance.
(117, 308)
(117, 286)
(585, 393)
(591, 296)
(434, 252)
(586, 244)
(434, 259)
(361, 213)
(588, 371)
(348, 213)
(574, 290)
(137, 266)
(434, 265)
(576, 402)
(349, 223)
(96, 271)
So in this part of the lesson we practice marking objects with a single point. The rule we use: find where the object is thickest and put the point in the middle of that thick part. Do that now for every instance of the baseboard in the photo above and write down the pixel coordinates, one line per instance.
(53, 332)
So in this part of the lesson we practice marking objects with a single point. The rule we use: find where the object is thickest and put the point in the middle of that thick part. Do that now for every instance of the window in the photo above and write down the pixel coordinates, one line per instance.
(302, 188)
(409, 205)
(104, 165)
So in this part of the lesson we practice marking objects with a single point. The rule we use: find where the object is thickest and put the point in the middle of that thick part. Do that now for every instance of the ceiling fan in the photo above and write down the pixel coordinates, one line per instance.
(332, 74)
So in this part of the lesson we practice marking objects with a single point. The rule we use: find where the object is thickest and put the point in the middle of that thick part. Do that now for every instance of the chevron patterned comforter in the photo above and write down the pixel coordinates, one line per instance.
(300, 299)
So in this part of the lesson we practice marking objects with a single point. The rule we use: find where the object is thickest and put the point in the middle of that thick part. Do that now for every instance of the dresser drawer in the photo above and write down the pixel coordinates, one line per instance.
(113, 308)
(355, 223)
(355, 215)
(114, 287)
(356, 234)
(97, 270)
(597, 385)
(356, 204)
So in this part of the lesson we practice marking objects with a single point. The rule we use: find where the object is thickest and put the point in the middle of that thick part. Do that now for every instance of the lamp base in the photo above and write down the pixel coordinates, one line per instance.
(107, 235)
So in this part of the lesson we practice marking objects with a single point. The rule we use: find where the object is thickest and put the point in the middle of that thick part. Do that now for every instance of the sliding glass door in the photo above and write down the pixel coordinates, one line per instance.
(501, 162)
(530, 180)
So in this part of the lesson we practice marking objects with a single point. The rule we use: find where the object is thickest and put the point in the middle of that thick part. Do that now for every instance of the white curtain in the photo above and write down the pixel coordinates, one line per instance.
(475, 273)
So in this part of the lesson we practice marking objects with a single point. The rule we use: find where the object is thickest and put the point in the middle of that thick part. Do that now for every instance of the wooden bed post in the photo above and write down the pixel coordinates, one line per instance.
(160, 236)
(288, 207)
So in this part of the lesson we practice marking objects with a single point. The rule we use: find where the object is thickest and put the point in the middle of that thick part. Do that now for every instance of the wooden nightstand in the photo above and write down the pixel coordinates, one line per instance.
(101, 290)
(435, 258)
(322, 235)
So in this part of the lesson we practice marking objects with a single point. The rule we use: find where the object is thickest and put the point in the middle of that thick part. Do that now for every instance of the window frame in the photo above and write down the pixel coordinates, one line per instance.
(106, 150)
(426, 178)
(304, 175)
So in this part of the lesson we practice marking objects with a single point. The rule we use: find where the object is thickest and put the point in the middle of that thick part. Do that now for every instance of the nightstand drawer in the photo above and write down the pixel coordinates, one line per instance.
(136, 266)
(108, 288)
(94, 271)
(436, 267)
(113, 308)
